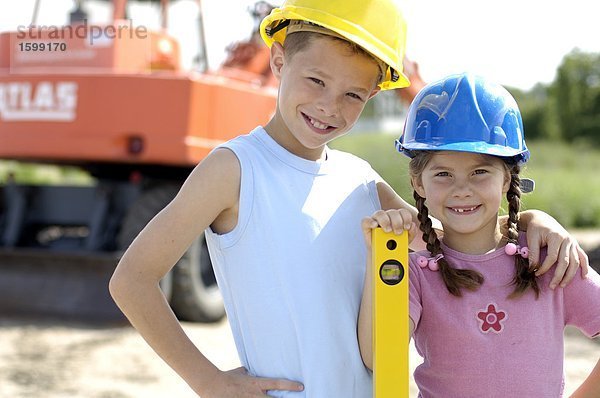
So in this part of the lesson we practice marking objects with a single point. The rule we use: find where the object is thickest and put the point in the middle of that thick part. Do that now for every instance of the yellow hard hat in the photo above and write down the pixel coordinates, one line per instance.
(375, 25)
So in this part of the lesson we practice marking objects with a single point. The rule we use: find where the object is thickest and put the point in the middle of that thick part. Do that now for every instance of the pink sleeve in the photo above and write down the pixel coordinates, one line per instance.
(582, 303)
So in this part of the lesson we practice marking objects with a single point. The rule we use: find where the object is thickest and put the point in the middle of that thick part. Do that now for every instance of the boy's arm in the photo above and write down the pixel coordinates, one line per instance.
(563, 248)
(210, 191)
(365, 317)
(542, 230)
(396, 220)
(590, 388)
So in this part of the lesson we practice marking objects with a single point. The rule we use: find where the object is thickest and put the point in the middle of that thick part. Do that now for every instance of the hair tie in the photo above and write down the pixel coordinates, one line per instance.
(430, 262)
(511, 249)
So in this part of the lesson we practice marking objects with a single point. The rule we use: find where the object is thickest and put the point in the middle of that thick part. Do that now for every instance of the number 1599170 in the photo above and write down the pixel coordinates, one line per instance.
(43, 46)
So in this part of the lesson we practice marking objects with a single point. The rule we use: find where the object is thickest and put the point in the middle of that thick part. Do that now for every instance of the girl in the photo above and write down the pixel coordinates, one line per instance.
(484, 323)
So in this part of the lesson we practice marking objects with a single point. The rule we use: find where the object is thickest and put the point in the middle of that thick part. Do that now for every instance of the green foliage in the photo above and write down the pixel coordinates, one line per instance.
(576, 94)
(379, 151)
(568, 109)
(566, 176)
(567, 182)
(533, 105)
(29, 173)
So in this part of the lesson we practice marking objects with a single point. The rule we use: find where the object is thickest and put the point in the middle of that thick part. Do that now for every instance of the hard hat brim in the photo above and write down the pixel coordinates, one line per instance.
(521, 156)
(352, 32)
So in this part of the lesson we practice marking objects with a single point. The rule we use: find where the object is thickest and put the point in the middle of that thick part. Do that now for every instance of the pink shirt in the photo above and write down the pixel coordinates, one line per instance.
(485, 345)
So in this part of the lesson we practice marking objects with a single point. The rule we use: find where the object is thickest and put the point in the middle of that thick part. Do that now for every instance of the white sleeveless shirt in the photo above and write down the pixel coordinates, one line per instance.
(292, 270)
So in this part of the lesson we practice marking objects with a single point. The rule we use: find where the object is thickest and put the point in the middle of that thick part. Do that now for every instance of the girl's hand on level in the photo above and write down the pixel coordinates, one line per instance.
(397, 221)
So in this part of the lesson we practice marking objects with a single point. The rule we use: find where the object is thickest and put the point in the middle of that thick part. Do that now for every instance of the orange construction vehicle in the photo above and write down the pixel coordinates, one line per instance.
(113, 100)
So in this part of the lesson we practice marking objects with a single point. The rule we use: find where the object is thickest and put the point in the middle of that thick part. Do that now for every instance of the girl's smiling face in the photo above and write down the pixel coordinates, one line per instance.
(464, 191)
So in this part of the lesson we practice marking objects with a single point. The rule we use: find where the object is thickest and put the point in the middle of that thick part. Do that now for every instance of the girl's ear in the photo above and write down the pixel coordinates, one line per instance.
(277, 59)
(418, 186)
(507, 181)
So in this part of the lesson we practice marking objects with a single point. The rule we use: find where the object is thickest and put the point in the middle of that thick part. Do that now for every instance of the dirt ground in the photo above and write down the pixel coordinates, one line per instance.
(53, 359)
(42, 358)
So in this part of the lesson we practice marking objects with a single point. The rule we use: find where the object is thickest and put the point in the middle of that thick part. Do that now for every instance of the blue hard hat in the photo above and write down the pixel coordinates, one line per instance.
(464, 113)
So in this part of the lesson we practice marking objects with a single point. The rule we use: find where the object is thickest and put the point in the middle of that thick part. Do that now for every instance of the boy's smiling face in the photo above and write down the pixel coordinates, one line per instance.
(323, 89)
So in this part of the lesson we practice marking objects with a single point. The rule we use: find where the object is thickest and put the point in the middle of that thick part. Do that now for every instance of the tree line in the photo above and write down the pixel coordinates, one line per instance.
(567, 109)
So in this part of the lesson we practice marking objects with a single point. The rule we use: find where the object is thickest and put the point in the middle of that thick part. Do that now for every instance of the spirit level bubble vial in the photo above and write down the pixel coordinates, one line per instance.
(390, 314)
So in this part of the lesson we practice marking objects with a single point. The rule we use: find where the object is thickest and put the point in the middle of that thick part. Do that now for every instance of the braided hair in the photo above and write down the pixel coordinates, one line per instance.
(456, 279)
(523, 278)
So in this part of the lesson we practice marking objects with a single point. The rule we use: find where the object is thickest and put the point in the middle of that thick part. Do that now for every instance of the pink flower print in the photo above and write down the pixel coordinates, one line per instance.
(491, 319)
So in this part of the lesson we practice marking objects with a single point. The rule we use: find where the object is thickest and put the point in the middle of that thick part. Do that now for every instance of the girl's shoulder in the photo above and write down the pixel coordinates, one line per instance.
(418, 261)
(414, 256)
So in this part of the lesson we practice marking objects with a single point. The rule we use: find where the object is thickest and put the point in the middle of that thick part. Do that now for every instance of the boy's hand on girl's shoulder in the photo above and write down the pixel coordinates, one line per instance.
(562, 250)
(237, 383)
(396, 220)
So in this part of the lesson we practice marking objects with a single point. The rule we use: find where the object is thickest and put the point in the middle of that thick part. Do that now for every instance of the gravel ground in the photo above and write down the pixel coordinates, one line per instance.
(52, 359)
(43, 358)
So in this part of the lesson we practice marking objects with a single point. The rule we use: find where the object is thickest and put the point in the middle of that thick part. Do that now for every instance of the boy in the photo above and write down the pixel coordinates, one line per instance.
(282, 216)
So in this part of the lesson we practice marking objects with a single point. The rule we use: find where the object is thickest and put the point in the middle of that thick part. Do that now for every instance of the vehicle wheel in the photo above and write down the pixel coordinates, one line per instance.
(141, 212)
(594, 258)
(196, 297)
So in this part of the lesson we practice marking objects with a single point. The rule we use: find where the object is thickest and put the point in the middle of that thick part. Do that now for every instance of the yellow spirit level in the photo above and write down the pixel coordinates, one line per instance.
(390, 314)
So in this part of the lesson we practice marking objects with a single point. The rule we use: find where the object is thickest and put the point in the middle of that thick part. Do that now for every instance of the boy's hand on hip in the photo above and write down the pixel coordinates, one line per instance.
(237, 383)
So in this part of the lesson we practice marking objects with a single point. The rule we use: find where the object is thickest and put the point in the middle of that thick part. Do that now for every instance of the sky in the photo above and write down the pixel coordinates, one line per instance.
(514, 42)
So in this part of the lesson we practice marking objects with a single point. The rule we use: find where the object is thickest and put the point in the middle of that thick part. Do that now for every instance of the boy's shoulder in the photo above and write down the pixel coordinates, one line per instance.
(245, 143)
(246, 138)
(348, 158)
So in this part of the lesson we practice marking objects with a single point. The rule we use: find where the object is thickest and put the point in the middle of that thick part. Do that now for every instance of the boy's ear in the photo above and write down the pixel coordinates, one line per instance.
(375, 91)
(277, 59)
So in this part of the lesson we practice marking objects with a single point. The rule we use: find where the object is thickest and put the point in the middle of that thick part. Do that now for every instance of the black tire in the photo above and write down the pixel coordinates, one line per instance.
(141, 212)
(196, 297)
(594, 257)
